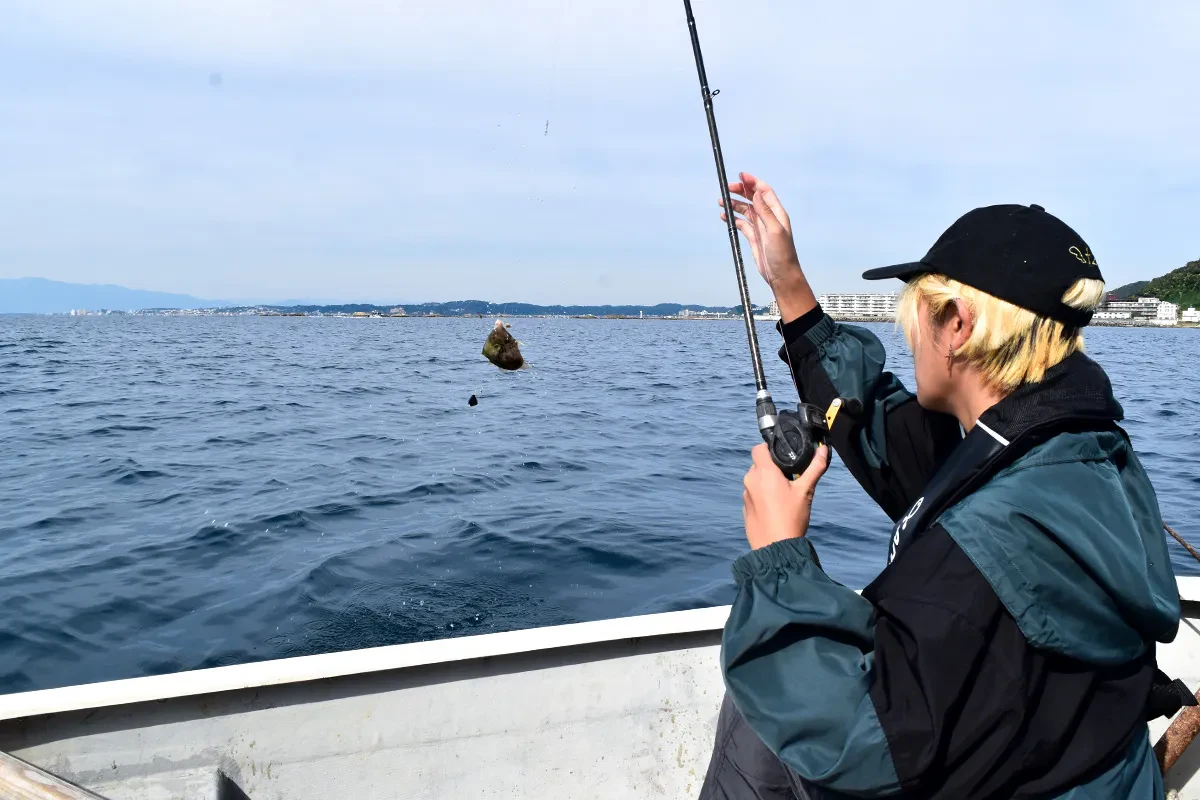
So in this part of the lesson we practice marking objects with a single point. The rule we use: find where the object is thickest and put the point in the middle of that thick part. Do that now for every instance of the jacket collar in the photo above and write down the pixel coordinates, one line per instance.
(1075, 393)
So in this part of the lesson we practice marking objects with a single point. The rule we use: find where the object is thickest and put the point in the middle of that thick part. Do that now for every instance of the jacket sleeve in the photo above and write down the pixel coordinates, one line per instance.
(891, 445)
(861, 699)
(798, 656)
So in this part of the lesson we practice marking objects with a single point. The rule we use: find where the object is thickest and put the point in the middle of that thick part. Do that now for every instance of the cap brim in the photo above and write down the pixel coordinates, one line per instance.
(902, 271)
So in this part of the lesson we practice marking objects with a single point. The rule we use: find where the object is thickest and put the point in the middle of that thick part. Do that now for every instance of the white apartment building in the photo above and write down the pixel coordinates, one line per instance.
(1191, 315)
(1168, 311)
(857, 305)
(771, 314)
(1142, 307)
(1112, 315)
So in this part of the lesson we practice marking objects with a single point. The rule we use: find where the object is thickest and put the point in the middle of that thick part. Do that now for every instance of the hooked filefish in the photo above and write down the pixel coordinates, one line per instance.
(501, 348)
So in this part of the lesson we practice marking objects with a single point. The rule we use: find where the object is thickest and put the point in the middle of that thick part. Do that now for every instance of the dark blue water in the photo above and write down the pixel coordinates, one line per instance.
(190, 492)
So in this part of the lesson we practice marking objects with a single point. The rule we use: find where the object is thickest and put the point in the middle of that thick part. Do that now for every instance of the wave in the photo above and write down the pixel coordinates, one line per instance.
(85, 403)
(139, 475)
(113, 430)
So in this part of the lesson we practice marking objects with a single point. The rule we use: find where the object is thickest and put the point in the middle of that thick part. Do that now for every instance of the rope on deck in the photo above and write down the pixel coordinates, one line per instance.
(1186, 725)
(20, 780)
(1182, 733)
(1181, 540)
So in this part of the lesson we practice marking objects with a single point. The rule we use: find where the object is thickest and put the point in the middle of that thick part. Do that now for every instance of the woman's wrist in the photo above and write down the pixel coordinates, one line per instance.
(794, 296)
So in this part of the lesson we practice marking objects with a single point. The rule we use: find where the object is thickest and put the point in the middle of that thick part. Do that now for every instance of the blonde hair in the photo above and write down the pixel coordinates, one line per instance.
(1009, 345)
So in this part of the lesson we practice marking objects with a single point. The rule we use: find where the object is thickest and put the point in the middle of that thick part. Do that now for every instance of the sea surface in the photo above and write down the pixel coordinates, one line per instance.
(179, 493)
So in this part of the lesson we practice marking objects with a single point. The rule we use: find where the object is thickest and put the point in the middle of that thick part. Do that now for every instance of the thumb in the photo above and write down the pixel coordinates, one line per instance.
(807, 480)
(761, 455)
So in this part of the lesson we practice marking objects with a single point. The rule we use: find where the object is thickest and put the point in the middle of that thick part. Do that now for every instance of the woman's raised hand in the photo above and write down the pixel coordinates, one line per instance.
(762, 219)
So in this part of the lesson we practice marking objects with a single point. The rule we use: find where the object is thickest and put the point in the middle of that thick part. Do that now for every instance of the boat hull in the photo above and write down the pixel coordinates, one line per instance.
(619, 708)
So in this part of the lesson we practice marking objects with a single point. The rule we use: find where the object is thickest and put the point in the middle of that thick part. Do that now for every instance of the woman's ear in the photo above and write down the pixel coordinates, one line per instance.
(960, 325)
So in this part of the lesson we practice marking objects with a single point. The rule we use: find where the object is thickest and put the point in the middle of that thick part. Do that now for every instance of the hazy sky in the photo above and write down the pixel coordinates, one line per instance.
(399, 151)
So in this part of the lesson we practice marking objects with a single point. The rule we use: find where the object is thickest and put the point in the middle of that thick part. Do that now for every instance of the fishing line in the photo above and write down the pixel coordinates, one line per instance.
(532, 127)
(555, 68)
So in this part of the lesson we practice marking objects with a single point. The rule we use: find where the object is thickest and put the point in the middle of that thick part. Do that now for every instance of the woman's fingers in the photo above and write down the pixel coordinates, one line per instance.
(774, 507)
(752, 187)
(745, 227)
(766, 217)
(750, 184)
(776, 208)
(739, 206)
(743, 223)
(747, 186)
(741, 189)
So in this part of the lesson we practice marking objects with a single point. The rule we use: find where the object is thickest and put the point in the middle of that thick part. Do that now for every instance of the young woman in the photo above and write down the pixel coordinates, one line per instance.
(1008, 648)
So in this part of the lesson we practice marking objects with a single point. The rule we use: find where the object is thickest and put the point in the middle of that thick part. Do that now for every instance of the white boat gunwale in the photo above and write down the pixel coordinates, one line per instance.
(325, 666)
(301, 669)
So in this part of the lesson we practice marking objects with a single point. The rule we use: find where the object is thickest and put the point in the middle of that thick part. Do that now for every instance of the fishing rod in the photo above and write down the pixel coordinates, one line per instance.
(791, 436)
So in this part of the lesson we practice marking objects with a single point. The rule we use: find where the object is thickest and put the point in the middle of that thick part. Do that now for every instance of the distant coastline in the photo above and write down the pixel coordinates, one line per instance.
(464, 308)
(845, 307)
(1175, 294)
(700, 315)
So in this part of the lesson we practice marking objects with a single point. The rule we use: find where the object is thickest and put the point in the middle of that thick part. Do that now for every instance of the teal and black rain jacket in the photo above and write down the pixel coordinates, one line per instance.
(1008, 649)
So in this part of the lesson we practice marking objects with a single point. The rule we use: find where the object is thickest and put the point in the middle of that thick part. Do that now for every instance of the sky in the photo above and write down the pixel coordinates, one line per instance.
(555, 151)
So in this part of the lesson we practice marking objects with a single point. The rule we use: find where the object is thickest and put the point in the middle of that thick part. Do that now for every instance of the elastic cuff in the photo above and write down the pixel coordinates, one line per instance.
(800, 325)
(802, 340)
(788, 554)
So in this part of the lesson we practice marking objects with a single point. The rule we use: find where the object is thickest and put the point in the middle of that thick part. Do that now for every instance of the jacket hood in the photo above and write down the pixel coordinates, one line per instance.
(1069, 534)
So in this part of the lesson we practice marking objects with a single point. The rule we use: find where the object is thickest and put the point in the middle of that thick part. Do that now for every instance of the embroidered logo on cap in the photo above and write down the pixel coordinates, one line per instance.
(1083, 256)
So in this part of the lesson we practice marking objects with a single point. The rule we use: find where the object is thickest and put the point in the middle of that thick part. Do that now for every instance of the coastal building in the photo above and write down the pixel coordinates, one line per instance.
(1191, 315)
(1112, 315)
(1141, 308)
(1168, 312)
(397, 312)
(859, 305)
(771, 314)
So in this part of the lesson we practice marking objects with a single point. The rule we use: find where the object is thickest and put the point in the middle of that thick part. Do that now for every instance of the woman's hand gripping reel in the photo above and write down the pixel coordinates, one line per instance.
(794, 436)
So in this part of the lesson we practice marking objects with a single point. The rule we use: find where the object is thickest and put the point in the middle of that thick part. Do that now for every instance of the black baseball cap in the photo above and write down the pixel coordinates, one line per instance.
(1021, 254)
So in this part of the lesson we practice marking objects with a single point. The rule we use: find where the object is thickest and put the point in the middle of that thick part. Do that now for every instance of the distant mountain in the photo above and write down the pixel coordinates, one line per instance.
(1130, 290)
(41, 296)
(290, 301)
(1180, 286)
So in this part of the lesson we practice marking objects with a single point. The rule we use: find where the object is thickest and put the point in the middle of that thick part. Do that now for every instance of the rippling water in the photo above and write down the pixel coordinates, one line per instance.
(190, 492)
